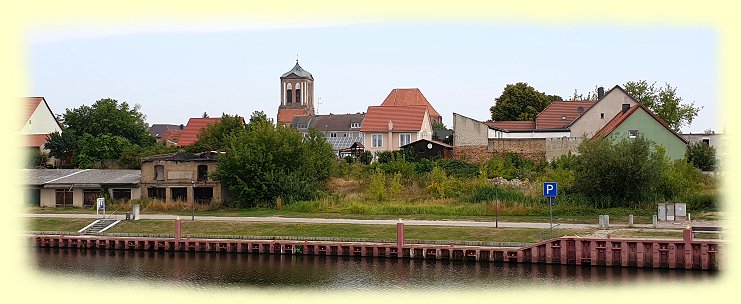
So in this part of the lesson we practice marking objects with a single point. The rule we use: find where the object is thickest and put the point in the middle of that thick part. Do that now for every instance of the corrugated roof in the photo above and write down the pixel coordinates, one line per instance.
(508, 125)
(409, 97)
(559, 114)
(331, 122)
(404, 118)
(298, 71)
(71, 177)
(191, 131)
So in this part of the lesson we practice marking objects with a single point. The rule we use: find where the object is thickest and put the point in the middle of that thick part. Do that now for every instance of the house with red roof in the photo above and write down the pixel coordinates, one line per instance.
(637, 120)
(38, 122)
(386, 128)
(191, 131)
(411, 97)
(556, 130)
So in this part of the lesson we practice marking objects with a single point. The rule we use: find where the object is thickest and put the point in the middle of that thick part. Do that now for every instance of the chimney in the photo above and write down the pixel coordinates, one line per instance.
(625, 107)
(600, 92)
(391, 125)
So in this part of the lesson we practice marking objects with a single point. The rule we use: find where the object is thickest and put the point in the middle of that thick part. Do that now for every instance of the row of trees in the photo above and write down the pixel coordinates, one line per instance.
(522, 102)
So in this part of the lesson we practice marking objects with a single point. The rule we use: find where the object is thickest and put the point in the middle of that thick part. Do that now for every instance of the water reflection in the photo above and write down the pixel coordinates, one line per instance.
(322, 272)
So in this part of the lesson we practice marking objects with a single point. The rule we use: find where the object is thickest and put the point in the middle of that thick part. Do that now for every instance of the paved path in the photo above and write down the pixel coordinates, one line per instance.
(274, 219)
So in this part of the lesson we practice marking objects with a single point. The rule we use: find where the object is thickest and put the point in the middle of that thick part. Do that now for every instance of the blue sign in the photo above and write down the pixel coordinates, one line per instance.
(101, 203)
(550, 189)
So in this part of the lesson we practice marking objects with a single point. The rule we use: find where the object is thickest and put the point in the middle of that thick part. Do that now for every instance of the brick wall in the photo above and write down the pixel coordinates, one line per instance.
(472, 154)
(530, 148)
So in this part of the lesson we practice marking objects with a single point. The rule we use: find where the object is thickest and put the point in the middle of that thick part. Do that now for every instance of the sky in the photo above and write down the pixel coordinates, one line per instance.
(175, 72)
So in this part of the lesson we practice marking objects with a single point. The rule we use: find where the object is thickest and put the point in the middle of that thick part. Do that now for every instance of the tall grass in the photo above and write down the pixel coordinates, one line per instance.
(155, 205)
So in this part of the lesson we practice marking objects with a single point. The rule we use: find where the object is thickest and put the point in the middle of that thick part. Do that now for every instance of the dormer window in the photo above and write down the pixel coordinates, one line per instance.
(632, 133)
(301, 126)
(563, 117)
(354, 125)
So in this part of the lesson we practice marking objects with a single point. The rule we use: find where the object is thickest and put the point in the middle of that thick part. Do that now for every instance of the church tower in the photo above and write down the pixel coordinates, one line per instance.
(296, 94)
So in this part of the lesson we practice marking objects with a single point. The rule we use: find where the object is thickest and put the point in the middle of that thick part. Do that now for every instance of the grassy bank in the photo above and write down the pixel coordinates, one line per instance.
(316, 230)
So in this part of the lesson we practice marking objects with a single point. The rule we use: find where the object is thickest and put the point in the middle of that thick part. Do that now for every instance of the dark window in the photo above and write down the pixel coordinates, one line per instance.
(179, 193)
(64, 197)
(122, 195)
(632, 133)
(706, 141)
(298, 96)
(203, 194)
(602, 115)
(159, 172)
(156, 193)
(89, 197)
(289, 96)
(202, 172)
(33, 197)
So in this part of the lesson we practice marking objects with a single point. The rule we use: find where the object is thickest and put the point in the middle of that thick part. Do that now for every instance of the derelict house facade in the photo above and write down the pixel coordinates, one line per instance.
(184, 177)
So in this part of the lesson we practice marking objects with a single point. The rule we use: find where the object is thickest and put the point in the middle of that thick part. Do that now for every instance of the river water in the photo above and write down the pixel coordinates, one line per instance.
(331, 273)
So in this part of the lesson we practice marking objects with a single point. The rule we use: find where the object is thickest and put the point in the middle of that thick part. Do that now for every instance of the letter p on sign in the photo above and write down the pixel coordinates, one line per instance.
(550, 189)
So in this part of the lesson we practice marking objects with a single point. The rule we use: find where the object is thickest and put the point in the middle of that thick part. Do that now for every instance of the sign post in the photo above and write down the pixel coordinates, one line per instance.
(100, 205)
(550, 191)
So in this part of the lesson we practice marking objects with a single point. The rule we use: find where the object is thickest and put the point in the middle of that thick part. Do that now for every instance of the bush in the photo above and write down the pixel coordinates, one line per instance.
(702, 156)
(458, 168)
(377, 186)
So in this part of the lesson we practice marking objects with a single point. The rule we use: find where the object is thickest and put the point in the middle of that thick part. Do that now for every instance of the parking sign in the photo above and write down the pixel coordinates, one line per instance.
(550, 189)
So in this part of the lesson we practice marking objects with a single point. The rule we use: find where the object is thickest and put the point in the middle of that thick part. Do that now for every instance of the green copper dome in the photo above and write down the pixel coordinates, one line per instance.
(298, 71)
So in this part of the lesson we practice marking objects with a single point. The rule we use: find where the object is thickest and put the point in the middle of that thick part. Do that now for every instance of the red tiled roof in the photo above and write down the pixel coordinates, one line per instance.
(409, 97)
(511, 125)
(190, 133)
(172, 136)
(404, 118)
(30, 105)
(36, 140)
(285, 115)
(620, 117)
(551, 116)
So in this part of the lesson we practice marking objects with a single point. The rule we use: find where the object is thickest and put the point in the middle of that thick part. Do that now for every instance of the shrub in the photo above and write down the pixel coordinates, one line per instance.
(702, 156)
(458, 168)
(377, 187)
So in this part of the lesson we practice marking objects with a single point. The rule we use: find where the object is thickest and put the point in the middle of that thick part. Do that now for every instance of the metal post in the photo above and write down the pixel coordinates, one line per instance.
(496, 199)
(193, 201)
(550, 210)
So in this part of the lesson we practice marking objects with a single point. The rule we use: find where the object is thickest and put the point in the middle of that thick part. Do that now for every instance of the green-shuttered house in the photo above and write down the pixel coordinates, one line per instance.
(637, 120)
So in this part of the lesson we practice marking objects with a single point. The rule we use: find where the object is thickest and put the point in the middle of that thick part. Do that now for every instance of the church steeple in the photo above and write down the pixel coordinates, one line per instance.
(297, 94)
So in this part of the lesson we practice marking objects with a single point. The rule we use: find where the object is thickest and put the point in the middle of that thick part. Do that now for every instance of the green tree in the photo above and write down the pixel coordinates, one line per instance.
(520, 102)
(702, 156)
(267, 162)
(664, 102)
(108, 116)
(618, 173)
(214, 137)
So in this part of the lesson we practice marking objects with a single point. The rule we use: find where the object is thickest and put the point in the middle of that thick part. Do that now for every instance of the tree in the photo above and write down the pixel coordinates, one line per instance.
(520, 102)
(267, 162)
(702, 156)
(108, 116)
(664, 102)
(214, 137)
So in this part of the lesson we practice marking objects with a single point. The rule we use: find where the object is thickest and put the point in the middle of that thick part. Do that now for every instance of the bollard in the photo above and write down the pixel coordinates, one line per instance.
(400, 234)
(630, 220)
(135, 212)
(687, 233)
(689, 217)
(178, 229)
(655, 219)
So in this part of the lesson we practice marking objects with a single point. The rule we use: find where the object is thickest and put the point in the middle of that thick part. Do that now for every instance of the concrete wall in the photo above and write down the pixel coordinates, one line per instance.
(592, 120)
(469, 132)
(717, 141)
(555, 147)
(47, 198)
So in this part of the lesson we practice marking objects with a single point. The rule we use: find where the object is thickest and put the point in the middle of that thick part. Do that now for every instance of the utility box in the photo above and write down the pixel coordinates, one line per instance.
(136, 212)
(670, 212)
(680, 211)
(661, 212)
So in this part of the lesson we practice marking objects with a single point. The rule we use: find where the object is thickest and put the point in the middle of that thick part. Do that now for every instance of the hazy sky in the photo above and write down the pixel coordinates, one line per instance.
(177, 72)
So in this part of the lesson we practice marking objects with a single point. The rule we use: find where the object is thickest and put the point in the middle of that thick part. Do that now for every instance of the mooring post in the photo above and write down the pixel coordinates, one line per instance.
(400, 234)
(687, 234)
(178, 229)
